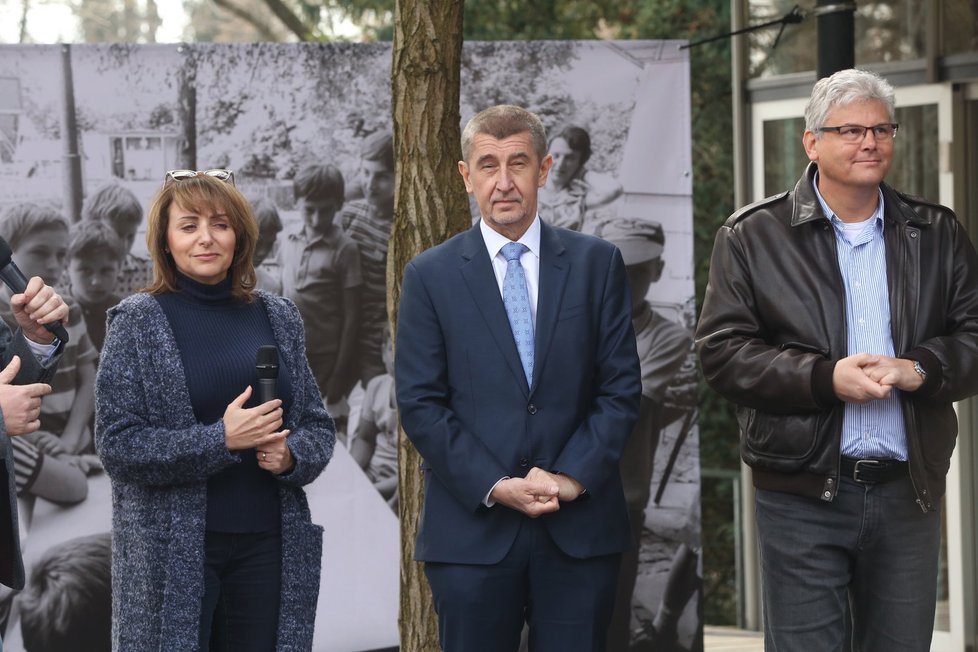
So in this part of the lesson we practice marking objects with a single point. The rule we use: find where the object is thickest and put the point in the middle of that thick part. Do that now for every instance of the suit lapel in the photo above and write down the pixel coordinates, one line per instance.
(480, 278)
(554, 270)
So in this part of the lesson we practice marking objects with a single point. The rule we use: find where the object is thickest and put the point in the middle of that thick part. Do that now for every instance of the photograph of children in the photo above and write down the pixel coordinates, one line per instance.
(95, 260)
(38, 234)
(664, 350)
(367, 221)
(267, 269)
(374, 444)
(321, 274)
(67, 604)
(307, 131)
(118, 207)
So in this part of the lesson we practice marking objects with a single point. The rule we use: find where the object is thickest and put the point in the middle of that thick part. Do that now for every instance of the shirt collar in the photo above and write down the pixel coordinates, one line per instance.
(306, 235)
(495, 240)
(877, 214)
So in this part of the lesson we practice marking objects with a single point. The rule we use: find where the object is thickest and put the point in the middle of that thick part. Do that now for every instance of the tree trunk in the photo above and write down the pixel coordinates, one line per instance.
(430, 206)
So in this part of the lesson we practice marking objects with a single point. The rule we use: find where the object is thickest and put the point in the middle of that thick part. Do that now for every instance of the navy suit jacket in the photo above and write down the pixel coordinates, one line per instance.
(31, 371)
(465, 404)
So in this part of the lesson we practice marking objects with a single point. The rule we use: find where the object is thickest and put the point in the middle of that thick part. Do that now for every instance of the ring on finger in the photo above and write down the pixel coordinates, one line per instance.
(264, 456)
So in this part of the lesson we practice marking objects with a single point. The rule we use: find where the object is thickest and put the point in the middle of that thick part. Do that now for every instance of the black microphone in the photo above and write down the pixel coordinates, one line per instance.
(14, 279)
(267, 368)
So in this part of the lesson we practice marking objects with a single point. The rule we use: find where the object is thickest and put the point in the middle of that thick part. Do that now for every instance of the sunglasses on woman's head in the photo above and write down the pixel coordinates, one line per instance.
(218, 173)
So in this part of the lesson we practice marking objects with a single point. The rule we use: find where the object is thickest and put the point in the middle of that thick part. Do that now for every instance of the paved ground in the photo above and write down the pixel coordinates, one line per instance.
(725, 639)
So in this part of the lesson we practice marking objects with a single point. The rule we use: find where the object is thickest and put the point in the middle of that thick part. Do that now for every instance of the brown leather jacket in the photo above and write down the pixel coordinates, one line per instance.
(773, 326)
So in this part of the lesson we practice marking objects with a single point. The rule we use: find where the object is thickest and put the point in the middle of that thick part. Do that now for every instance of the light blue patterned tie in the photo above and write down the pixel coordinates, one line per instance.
(517, 301)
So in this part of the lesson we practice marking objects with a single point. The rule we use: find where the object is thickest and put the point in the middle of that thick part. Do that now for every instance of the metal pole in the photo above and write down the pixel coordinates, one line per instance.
(741, 108)
(747, 568)
(69, 136)
(738, 551)
(836, 26)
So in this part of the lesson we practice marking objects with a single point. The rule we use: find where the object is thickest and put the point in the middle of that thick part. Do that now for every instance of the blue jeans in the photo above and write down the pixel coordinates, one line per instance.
(858, 573)
(242, 590)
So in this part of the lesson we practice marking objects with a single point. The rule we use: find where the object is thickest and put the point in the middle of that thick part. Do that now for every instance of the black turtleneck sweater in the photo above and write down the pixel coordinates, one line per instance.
(218, 337)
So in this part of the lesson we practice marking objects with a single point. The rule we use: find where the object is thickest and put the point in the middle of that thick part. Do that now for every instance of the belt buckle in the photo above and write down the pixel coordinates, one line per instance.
(870, 465)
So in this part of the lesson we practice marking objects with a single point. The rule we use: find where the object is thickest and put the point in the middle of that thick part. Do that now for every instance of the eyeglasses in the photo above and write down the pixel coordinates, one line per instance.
(856, 133)
(218, 173)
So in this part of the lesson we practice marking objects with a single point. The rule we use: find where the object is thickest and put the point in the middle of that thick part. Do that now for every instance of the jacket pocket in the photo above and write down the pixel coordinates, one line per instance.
(572, 311)
(802, 346)
(780, 442)
(936, 430)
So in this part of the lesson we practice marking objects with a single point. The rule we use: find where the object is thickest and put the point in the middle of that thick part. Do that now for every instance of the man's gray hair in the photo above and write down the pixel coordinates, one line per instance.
(842, 89)
(503, 121)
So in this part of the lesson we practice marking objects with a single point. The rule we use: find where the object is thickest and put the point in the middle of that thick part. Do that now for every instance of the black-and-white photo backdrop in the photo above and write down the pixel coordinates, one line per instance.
(86, 135)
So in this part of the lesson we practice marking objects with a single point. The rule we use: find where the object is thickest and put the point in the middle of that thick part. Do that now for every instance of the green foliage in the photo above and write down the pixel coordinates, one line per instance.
(511, 20)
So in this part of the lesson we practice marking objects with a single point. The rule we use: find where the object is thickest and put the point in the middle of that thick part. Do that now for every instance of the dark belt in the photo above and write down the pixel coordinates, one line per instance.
(872, 471)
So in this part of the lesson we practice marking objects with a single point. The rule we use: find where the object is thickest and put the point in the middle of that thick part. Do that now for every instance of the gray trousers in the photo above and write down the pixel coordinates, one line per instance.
(858, 573)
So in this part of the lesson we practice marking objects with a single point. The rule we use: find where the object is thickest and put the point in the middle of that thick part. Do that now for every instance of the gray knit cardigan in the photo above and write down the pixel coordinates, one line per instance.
(159, 458)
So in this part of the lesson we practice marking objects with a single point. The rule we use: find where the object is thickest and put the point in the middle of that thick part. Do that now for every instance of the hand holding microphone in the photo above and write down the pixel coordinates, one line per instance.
(258, 427)
(252, 427)
(266, 367)
(38, 309)
(274, 456)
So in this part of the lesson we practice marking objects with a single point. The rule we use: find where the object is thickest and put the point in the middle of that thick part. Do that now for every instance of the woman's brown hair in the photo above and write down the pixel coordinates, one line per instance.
(200, 194)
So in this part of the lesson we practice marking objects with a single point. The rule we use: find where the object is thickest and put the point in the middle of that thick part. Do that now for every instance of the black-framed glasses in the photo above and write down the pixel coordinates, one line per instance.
(218, 173)
(856, 133)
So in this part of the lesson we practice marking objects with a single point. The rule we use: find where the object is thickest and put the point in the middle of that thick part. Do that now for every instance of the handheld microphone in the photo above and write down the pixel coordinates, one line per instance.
(14, 279)
(267, 368)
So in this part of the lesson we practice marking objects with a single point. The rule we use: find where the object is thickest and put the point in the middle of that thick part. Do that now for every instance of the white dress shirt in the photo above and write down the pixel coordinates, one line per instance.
(530, 260)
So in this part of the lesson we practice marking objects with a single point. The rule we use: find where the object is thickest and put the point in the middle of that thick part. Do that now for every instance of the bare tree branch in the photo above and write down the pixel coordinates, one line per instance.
(26, 5)
(248, 17)
(288, 17)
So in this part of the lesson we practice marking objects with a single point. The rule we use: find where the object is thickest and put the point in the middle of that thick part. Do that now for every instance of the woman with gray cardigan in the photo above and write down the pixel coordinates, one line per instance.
(213, 547)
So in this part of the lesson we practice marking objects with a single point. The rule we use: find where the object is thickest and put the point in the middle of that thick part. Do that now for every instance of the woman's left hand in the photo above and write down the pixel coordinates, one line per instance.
(274, 455)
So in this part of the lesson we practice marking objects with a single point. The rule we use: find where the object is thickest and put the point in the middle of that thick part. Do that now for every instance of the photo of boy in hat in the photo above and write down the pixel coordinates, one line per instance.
(663, 347)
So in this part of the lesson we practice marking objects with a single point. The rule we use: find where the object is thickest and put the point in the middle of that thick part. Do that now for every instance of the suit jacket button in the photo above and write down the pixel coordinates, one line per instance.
(524, 462)
(531, 408)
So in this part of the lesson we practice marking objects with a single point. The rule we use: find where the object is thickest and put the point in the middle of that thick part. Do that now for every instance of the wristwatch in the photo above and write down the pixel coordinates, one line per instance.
(920, 370)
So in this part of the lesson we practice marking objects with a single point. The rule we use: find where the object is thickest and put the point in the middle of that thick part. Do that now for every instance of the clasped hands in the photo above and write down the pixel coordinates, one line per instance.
(540, 492)
(865, 377)
(258, 428)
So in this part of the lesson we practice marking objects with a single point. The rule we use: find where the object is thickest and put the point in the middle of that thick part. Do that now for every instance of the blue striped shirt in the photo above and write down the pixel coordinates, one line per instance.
(874, 429)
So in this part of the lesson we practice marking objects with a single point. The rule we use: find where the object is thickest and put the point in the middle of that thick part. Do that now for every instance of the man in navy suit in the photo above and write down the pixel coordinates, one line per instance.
(524, 517)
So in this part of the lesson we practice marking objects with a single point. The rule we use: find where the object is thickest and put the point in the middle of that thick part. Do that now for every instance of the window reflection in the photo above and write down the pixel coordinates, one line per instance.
(784, 155)
(886, 32)
(915, 158)
(959, 26)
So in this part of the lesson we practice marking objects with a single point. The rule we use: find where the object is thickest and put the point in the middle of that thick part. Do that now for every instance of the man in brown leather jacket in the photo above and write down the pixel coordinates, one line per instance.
(842, 318)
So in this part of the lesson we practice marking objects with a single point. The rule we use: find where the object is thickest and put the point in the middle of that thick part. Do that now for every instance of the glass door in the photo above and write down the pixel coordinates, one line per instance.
(966, 159)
